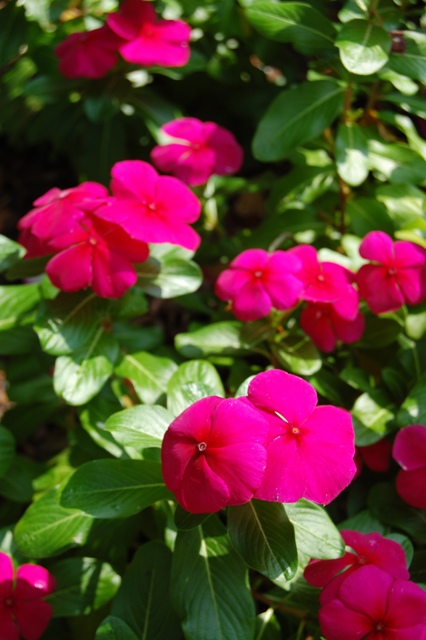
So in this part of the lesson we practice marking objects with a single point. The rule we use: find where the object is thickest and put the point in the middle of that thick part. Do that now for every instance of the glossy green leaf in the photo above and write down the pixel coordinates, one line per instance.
(316, 535)
(368, 214)
(264, 537)
(372, 415)
(413, 409)
(169, 272)
(143, 600)
(364, 48)
(299, 355)
(385, 504)
(186, 521)
(217, 605)
(351, 154)
(139, 427)
(297, 116)
(396, 162)
(7, 450)
(13, 32)
(47, 529)
(10, 252)
(219, 338)
(411, 104)
(181, 388)
(308, 30)
(17, 483)
(16, 303)
(82, 586)
(113, 628)
(114, 488)
(148, 374)
(404, 202)
(412, 61)
(79, 377)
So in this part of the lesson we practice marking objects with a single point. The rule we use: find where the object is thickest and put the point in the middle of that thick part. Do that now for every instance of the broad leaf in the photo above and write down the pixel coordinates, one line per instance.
(139, 427)
(411, 62)
(7, 450)
(385, 504)
(10, 252)
(217, 605)
(316, 535)
(296, 22)
(351, 154)
(364, 47)
(16, 303)
(264, 536)
(297, 116)
(367, 214)
(182, 386)
(372, 414)
(219, 338)
(149, 374)
(113, 628)
(114, 488)
(169, 272)
(413, 409)
(299, 355)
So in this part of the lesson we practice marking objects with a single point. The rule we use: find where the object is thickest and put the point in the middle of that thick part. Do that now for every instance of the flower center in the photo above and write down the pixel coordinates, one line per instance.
(295, 431)
(379, 627)
(362, 560)
(93, 241)
(202, 446)
(9, 602)
(320, 278)
(257, 274)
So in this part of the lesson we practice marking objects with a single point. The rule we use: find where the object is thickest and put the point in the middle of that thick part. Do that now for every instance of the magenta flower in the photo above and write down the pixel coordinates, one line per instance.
(370, 548)
(97, 254)
(372, 605)
(197, 151)
(376, 456)
(325, 326)
(409, 450)
(35, 247)
(213, 454)
(256, 281)
(397, 275)
(326, 282)
(150, 207)
(88, 55)
(310, 449)
(23, 612)
(57, 212)
(148, 41)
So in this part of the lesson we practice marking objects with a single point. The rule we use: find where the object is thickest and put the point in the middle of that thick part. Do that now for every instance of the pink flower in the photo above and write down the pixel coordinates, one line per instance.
(377, 456)
(148, 41)
(97, 254)
(150, 207)
(213, 454)
(325, 326)
(35, 247)
(372, 605)
(256, 281)
(22, 610)
(409, 450)
(57, 212)
(310, 449)
(398, 275)
(88, 55)
(326, 282)
(370, 548)
(199, 150)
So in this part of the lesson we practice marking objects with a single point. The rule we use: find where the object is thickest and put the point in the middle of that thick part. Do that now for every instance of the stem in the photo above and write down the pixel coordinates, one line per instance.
(280, 606)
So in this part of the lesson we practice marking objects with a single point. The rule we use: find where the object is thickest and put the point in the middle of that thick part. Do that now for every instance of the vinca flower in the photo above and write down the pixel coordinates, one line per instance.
(396, 276)
(148, 41)
(409, 450)
(90, 54)
(23, 612)
(325, 326)
(256, 281)
(213, 454)
(197, 150)
(310, 449)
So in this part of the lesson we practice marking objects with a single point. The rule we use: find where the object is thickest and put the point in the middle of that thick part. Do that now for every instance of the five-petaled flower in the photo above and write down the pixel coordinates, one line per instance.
(310, 449)
(372, 605)
(196, 150)
(147, 40)
(23, 611)
(409, 450)
(256, 281)
(397, 275)
(213, 454)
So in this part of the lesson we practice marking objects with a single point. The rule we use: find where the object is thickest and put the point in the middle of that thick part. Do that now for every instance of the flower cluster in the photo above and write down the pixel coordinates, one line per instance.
(23, 612)
(256, 281)
(135, 33)
(409, 450)
(97, 238)
(367, 593)
(274, 444)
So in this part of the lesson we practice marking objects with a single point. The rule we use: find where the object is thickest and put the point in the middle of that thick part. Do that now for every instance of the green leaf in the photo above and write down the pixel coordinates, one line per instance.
(139, 427)
(181, 389)
(297, 116)
(264, 537)
(132, 305)
(396, 162)
(302, 25)
(351, 154)
(149, 374)
(113, 628)
(69, 322)
(16, 303)
(411, 104)
(413, 409)
(186, 521)
(316, 535)
(299, 355)
(7, 450)
(10, 252)
(217, 605)
(169, 272)
(219, 338)
(372, 414)
(13, 32)
(379, 332)
(367, 214)
(363, 47)
(143, 600)
(404, 202)
(385, 504)
(412, 62)
(79, 377)
(47, 529)
(82, 586)
(114, 488)
(17, 483)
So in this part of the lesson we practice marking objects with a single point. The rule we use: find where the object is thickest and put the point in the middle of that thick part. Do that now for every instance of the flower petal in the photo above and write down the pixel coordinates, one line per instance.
(71, 270)
(378, 246)
(410, 485)
(201, 490)
(32, 618)
(409, 447)
(33, 581)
